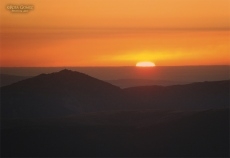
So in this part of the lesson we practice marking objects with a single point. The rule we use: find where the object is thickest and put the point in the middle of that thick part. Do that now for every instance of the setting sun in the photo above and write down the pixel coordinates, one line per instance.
(145, 64)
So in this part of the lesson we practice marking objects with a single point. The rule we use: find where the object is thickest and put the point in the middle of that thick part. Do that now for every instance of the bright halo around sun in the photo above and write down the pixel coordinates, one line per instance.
(145, 64)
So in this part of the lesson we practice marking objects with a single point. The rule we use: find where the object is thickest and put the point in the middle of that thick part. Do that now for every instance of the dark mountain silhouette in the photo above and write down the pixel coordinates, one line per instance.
(69, 92)
(70, 114)
(200, 95)
(125, 83)
(6, 79)
(62, 93)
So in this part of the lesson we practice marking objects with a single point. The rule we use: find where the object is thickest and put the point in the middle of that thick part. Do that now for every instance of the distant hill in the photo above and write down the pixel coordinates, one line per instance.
(126, 83)
(6, 79)
(56, 94)
(200, 95)
(70, 92)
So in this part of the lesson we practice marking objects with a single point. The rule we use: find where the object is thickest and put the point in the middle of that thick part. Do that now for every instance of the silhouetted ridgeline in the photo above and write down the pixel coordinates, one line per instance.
(70, 114)
(201, 95)
(6, 79)
(57, 94)
(68, 92)
(131, 76)
(126, 83)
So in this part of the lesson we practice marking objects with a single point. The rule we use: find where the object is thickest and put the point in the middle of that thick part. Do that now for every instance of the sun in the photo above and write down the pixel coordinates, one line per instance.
(145, 64)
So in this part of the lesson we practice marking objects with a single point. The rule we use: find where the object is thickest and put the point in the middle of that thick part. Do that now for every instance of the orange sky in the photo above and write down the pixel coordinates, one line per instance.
(116, 33)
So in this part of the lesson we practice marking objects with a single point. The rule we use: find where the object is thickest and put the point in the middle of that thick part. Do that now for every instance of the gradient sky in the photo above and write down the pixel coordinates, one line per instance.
(116, 33)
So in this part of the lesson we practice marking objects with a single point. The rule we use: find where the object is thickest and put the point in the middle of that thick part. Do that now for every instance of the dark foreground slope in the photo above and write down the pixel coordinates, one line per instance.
(57, 94)
(124, 133)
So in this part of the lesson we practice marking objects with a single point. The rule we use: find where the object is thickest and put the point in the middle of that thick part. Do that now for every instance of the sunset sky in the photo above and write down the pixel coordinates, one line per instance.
(115, 33)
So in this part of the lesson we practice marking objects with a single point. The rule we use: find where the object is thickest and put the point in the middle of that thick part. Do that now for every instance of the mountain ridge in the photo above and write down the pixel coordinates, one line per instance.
(65, 92)
(6, 79)
(68, 92)
(198, 95)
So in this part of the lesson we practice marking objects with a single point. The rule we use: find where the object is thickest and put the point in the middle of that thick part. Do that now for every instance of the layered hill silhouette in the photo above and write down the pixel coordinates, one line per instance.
(69, 92)
(70, 114)
(57, 94)
(126, 83)
(6, 79)
(195, 96)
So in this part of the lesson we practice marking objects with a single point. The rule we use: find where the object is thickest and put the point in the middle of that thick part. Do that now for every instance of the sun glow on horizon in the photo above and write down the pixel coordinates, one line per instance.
(97, 33)
(145, 64)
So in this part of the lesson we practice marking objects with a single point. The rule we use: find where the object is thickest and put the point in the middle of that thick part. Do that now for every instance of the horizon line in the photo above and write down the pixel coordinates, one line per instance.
(104, 66)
